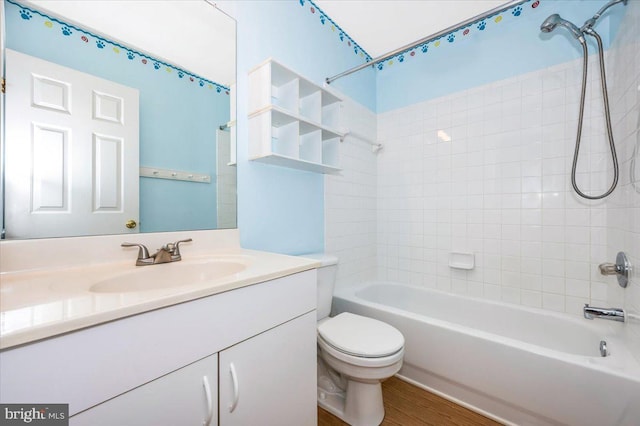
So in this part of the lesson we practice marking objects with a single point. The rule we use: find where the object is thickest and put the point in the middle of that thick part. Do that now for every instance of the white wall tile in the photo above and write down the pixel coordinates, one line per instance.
(553, 302)
(537, 241)
(351, 197)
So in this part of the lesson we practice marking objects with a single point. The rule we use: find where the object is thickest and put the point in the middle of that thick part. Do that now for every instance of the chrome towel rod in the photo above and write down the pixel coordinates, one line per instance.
(427, 39)
(375, 146)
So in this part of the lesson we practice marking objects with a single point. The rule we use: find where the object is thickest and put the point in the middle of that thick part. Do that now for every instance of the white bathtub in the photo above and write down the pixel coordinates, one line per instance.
(515, 364)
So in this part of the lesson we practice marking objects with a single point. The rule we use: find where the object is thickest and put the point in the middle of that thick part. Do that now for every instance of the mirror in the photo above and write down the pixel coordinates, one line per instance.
(118, 117)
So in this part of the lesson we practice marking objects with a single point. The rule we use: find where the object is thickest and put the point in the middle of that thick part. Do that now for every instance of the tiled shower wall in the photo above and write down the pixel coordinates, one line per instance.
(350, 199)
(623, 208)
(487, 171)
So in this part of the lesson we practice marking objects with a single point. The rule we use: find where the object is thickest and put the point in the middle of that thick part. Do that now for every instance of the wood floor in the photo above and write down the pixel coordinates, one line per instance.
(407, 405)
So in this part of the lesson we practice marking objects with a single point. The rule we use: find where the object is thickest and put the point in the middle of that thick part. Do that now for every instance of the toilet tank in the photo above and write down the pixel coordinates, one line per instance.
(326, 281)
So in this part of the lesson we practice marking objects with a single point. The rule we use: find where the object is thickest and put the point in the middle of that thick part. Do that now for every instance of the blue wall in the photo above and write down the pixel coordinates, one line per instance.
(178, 117)
(513, 45)
(282, 209)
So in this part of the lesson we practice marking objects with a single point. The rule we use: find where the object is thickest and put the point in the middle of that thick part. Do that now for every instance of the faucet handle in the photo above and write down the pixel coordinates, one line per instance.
(176, 246)
(170, 247)
(608, 268)
(622, 268)
(143, 252)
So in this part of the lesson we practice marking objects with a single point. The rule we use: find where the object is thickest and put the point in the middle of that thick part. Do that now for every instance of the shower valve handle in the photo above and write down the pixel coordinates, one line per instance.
(622, 268)
(608, 268)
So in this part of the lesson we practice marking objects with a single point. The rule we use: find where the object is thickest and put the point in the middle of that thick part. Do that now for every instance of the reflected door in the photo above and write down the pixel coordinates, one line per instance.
(72, 151)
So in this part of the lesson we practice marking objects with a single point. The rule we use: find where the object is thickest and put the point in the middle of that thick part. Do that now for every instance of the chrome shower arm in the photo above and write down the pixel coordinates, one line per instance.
(589, 23)
(607, 6)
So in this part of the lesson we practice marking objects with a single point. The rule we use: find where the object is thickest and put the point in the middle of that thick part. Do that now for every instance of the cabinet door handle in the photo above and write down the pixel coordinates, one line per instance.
(236, 391)
(207, 392)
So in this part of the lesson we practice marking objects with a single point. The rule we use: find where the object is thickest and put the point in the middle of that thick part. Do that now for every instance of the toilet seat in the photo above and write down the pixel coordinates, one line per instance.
(359, 361)
(356, 337)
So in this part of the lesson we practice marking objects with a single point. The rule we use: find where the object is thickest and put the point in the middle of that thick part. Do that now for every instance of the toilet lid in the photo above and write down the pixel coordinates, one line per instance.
(361, 336)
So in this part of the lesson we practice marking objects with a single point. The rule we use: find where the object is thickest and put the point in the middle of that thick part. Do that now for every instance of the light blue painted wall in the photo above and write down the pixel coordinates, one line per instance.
(511, 47)
(280, 209)
(178, 122)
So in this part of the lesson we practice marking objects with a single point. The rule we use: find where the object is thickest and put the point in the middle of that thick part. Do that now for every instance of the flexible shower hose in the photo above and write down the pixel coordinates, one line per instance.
(605, 99)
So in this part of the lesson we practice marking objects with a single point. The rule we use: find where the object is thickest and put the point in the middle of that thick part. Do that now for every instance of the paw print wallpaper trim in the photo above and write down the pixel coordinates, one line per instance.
(72, 33)
(25, 14)
(326, 21)
(473, 29)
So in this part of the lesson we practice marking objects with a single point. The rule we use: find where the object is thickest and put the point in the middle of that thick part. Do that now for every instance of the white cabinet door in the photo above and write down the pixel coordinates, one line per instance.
(188, 396)
(270, 379)
(72, 150)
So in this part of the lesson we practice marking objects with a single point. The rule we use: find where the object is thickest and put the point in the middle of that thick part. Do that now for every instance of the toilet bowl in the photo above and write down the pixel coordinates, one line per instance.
(355, 354)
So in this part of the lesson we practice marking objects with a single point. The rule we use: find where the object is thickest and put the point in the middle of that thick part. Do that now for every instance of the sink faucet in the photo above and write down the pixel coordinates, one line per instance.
(169, 252)
(614, 314)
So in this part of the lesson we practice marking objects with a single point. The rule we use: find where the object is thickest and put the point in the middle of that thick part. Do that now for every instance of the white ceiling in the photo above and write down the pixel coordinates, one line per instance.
(380, 26)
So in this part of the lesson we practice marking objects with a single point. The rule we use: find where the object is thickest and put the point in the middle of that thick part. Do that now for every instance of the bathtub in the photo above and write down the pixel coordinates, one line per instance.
(517, 365)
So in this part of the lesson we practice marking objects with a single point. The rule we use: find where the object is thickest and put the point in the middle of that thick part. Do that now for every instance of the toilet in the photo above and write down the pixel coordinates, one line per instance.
(355, 355)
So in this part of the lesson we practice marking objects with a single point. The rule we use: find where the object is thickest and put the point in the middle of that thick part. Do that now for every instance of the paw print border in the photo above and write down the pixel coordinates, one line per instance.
(73, 33)
(472, 29)
(342, 35)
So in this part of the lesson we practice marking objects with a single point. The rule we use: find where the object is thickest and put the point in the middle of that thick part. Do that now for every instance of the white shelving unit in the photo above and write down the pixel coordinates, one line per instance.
(292, 121)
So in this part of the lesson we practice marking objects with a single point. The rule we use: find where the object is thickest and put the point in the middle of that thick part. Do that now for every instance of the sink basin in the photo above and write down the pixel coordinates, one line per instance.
(168, 275)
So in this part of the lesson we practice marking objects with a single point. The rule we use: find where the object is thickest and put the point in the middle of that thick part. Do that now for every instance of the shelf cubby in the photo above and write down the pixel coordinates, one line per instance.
(292, 121)
(331, 152)
(311, 146)
(309, 106)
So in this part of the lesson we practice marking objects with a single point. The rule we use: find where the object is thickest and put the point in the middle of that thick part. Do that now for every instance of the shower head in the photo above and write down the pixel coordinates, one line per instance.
(554, 20)
(550, 23)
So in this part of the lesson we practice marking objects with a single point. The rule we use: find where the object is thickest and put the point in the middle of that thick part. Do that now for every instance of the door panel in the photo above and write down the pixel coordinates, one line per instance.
(50, 189)
(107, 162)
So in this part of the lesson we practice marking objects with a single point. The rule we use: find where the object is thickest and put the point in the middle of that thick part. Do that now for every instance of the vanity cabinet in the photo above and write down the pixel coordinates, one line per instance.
(260, 378)
(188, 396)
(153, 368)
(292, 121)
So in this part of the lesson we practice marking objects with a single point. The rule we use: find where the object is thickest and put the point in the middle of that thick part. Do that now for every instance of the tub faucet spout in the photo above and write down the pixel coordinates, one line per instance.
(614, 314)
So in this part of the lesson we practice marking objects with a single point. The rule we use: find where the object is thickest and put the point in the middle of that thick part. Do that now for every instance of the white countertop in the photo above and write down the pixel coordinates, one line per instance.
(48, 300)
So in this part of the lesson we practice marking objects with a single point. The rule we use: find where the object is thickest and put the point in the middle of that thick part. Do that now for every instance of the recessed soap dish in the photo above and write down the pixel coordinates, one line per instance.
(461, 260)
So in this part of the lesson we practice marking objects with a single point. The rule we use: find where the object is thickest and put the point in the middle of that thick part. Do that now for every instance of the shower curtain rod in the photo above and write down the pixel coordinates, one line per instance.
(427, 39)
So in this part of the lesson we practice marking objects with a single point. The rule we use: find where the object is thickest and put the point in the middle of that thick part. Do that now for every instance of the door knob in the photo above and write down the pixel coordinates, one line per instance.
(131, 224)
